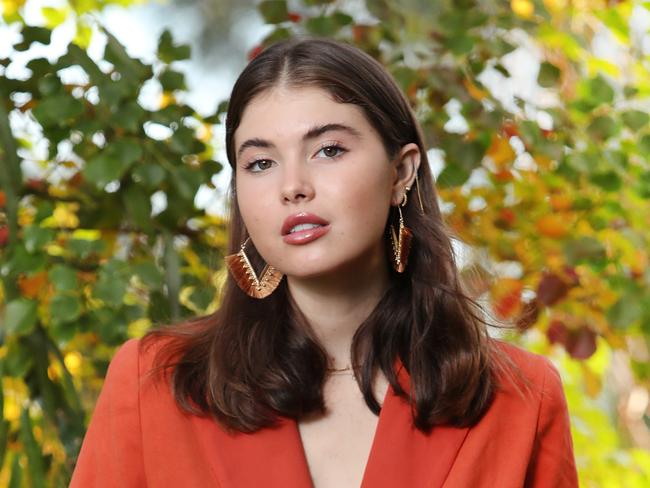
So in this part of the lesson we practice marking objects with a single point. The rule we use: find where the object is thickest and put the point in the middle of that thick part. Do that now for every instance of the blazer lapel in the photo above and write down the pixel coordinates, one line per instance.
(271, 457)
(401, 455)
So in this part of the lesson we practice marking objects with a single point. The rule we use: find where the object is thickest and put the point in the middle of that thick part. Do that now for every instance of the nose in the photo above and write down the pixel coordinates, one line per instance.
(296, 183)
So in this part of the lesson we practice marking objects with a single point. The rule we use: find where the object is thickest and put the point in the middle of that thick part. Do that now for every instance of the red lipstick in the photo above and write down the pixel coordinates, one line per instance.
(314, 227)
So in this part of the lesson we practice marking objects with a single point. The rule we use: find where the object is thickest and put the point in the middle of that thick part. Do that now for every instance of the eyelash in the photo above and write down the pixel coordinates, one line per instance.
(329, 145)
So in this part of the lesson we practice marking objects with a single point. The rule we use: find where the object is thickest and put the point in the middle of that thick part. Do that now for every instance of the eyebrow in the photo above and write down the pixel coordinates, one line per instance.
(312, 133)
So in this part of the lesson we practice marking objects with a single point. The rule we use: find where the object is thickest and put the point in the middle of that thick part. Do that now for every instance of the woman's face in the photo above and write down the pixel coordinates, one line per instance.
(305, 160)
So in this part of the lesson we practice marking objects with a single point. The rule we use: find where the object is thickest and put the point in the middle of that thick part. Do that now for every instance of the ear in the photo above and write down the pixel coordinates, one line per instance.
(405, 168)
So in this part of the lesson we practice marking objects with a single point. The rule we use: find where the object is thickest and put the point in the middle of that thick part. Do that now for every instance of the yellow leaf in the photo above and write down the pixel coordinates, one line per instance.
(553, 225)
(31, 286)
(474, 91)
(54, 16)
(138, 327)
(64, 216)
(10, 7)
(506, 295)
(166, 99)
(73, 361)
(596, 66)
(555, 6)
(87, 234)
(84, 35)
(500, 151)
(592, 381)
(523, 8)
(26, 216)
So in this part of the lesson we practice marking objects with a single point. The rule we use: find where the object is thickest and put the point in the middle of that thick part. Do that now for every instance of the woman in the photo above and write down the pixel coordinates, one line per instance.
(345, 353)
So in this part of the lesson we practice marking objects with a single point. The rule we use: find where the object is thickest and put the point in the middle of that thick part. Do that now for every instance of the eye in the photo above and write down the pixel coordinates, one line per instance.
(331, 150)
(261, 164)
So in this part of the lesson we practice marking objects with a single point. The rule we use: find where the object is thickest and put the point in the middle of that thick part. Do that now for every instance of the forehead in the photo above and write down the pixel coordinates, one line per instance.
(283, 112)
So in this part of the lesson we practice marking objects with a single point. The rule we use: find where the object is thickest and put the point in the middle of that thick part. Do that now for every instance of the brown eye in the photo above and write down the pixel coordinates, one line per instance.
(332, 151)
(259, 165)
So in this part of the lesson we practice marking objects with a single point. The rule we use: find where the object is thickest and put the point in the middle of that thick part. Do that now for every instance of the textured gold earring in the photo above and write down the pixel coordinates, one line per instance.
(401, 240)
(244, 275)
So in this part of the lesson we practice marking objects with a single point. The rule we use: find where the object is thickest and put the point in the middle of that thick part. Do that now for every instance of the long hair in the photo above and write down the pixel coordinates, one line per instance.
(255, 360)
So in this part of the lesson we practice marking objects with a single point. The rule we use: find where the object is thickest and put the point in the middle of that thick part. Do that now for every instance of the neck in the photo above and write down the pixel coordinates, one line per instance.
(336, 304)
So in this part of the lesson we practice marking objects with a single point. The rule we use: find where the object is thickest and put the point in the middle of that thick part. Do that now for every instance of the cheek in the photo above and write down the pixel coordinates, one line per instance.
(254, 206)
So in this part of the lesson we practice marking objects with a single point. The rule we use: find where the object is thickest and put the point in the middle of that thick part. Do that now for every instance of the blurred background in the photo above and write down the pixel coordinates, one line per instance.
(113, 180)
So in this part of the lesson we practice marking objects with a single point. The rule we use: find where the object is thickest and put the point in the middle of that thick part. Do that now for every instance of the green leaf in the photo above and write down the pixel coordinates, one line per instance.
(644, 146)
(202, 296)
(33, 34)
(150, 274)
(327, 26)
(635, 119)
(172, 80)
(149, 175)
(64, 308)
(584, 249)
(643, 185)
(58, 108)
(19, 360)
(36, 237)
(138, 207)
(64, 278)
(626, 311)
(452, 175)
(49, 84)
(131, 69)
(608, 181)
(210, 168)
(34, 457)
(603, 127)
(600, 90)
(187, 182)
(169, 52)
(184, 141)
(274, 11)
(459, 44)
(129, 117)
(113, 162)
(549, 75)
(83, 248)
(111, 285)
(20, 316)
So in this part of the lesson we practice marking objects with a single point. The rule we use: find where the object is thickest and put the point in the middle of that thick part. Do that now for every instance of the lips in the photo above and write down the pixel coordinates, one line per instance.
(306, 228)
(301, 218)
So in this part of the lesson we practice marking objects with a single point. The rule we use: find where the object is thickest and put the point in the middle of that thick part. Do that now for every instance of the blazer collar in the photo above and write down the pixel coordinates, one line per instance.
(400, 454)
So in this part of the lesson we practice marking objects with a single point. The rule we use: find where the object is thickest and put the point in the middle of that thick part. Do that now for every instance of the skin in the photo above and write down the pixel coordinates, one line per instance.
(338, 279)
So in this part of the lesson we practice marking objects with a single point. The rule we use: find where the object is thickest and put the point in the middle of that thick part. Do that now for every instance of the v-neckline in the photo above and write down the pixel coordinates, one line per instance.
(400, 454)
(373, 445)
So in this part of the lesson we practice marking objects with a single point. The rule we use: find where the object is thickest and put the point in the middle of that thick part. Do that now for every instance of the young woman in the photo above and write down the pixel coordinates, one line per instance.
(345, 352)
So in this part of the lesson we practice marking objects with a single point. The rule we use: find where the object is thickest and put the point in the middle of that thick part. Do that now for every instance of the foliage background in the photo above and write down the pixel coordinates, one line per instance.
(546, 186)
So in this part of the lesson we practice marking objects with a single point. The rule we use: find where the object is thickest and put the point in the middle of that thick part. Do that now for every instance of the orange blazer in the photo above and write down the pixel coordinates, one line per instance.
(138, 437)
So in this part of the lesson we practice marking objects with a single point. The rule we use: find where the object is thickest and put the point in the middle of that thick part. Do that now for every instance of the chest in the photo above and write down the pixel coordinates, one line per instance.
(337, 445)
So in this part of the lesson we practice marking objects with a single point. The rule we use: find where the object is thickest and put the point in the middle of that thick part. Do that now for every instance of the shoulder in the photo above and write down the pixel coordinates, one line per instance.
(136, 358)
(513, 362)
(526, 383)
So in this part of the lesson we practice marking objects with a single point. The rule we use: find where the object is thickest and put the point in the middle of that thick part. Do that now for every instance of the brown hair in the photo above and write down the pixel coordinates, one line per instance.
(254, 360)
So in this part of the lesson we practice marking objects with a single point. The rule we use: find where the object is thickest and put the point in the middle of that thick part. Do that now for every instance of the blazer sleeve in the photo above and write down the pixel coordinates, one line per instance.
(111, 453)
(552, 463)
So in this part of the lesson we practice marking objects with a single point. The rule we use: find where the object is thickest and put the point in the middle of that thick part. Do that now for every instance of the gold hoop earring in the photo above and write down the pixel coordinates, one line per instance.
(401, 240)
(244, 275)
